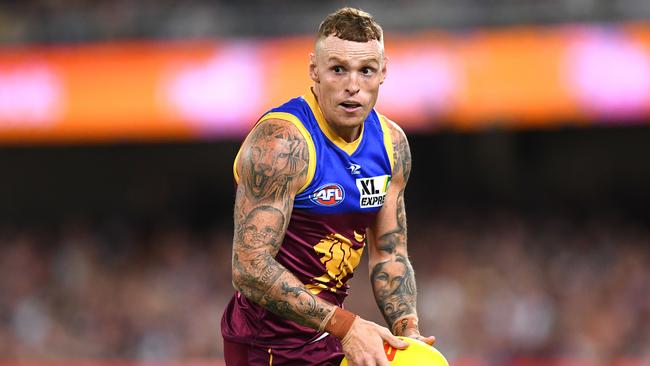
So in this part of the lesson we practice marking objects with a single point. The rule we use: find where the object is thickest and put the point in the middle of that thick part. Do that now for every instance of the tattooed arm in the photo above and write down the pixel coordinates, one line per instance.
(391, 273)
(272, 167)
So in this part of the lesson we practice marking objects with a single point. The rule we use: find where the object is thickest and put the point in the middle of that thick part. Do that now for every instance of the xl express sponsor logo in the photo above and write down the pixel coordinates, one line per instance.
(373, 190)
(330, 194)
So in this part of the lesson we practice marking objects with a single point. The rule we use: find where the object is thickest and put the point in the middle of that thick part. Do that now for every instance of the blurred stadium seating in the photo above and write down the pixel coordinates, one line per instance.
(55, 21)
(496, 290)
(528, 221)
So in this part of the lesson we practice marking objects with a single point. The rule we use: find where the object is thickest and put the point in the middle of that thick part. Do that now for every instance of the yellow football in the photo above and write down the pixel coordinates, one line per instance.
(418, 353)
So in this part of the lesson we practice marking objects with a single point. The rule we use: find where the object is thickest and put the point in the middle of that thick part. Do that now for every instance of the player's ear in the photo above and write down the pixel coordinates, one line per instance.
(384, 70)
(313, 73)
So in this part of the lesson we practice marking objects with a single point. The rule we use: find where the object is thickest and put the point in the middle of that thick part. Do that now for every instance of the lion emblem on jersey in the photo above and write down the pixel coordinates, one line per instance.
(340, 259)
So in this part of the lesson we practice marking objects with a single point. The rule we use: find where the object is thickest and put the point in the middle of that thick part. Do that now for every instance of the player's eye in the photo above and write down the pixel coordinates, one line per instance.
(337, 69)
(367, 70)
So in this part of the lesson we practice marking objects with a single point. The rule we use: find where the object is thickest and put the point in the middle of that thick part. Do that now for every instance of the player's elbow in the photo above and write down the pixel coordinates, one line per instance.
(254, 275)
(247, 283)
(234, 284)
(242, 278)
(241, 282)
(237, 277)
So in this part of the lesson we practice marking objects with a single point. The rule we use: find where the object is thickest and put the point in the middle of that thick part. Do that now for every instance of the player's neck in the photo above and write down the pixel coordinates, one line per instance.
(348, 134)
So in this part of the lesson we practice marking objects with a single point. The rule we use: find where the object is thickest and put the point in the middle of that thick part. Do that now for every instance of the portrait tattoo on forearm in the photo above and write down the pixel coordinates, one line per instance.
(393, 282)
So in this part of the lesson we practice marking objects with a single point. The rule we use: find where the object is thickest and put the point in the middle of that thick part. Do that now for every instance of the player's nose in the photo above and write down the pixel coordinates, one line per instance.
(353, 84)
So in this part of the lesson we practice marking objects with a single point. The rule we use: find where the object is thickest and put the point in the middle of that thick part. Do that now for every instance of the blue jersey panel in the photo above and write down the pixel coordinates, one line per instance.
(343, 182)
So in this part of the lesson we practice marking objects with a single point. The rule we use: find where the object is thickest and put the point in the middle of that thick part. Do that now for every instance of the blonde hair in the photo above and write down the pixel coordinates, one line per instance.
(351, 24)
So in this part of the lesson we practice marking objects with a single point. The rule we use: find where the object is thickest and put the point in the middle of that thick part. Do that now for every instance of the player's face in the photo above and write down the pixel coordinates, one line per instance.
(347, 76)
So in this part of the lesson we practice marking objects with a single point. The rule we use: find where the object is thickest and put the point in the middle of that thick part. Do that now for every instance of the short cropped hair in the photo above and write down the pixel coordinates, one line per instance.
(351, 24)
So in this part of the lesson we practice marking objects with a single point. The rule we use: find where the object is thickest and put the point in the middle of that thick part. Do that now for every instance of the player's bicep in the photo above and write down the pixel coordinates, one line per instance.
(273, 162)
(272, 165)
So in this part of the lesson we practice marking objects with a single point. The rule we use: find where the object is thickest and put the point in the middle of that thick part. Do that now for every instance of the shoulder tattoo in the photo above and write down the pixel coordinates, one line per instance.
(276, 157)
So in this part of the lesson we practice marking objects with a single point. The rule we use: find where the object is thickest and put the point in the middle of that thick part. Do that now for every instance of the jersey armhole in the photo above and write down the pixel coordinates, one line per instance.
(311, 167)
(388, 140)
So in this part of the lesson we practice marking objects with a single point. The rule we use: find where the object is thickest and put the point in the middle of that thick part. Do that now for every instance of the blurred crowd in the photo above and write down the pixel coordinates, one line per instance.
(71, 21)
(500, 287)
(110, 291)
(492, 287)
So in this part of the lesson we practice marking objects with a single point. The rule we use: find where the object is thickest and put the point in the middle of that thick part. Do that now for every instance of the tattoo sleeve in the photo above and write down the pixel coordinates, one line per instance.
(273, 166)
(391, 273)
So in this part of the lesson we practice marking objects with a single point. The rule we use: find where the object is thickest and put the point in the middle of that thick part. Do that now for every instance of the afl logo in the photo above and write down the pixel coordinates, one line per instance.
(330, 194)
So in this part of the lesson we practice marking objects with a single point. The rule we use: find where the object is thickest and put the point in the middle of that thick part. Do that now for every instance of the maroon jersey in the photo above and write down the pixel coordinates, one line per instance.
(345, 189)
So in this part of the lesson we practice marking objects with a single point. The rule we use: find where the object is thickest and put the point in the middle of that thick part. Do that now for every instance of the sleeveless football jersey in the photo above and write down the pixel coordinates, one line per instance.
(345, 189)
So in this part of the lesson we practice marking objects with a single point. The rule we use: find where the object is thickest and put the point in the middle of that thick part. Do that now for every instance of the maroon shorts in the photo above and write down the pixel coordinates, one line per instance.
(326, 352)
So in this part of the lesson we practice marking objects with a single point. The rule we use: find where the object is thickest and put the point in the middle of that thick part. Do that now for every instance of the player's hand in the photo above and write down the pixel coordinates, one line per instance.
(407, 326)
(364, 344)
(415, 334)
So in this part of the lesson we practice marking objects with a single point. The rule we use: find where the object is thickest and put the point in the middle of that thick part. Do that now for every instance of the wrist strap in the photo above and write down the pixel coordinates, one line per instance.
(339, 322)
(407, 322)
(329, 316)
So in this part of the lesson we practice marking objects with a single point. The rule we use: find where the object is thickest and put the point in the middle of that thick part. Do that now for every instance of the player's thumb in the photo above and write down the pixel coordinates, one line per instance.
(395, 342)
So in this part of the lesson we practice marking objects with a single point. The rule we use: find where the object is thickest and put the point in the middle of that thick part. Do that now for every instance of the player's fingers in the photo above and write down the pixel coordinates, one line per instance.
(416, 335)
(376, 360)
(382, 360)
(394, 341)
(428, 340)
(359, 360)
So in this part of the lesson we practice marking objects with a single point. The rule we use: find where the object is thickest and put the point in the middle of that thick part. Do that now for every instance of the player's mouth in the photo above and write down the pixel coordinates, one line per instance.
(350, 106)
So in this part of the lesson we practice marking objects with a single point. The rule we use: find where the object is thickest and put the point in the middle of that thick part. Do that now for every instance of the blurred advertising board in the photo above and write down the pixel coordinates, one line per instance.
(518, 77)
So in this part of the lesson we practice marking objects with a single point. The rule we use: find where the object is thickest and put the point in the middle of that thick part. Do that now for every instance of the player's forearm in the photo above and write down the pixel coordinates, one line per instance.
(393, 283)
(258, 276)
(391, 273)
(289, 298)
(262, 279)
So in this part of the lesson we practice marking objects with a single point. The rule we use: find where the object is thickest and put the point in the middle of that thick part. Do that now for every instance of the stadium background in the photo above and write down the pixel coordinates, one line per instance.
(528, 201)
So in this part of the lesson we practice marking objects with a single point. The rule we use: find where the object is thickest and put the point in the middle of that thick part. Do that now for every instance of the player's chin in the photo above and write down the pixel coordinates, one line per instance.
(352, 119)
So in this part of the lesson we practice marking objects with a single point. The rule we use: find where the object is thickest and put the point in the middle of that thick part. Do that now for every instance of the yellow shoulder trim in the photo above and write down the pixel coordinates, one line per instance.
(388, 139)
(348, 147)
(234, 164)
(311, 167)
